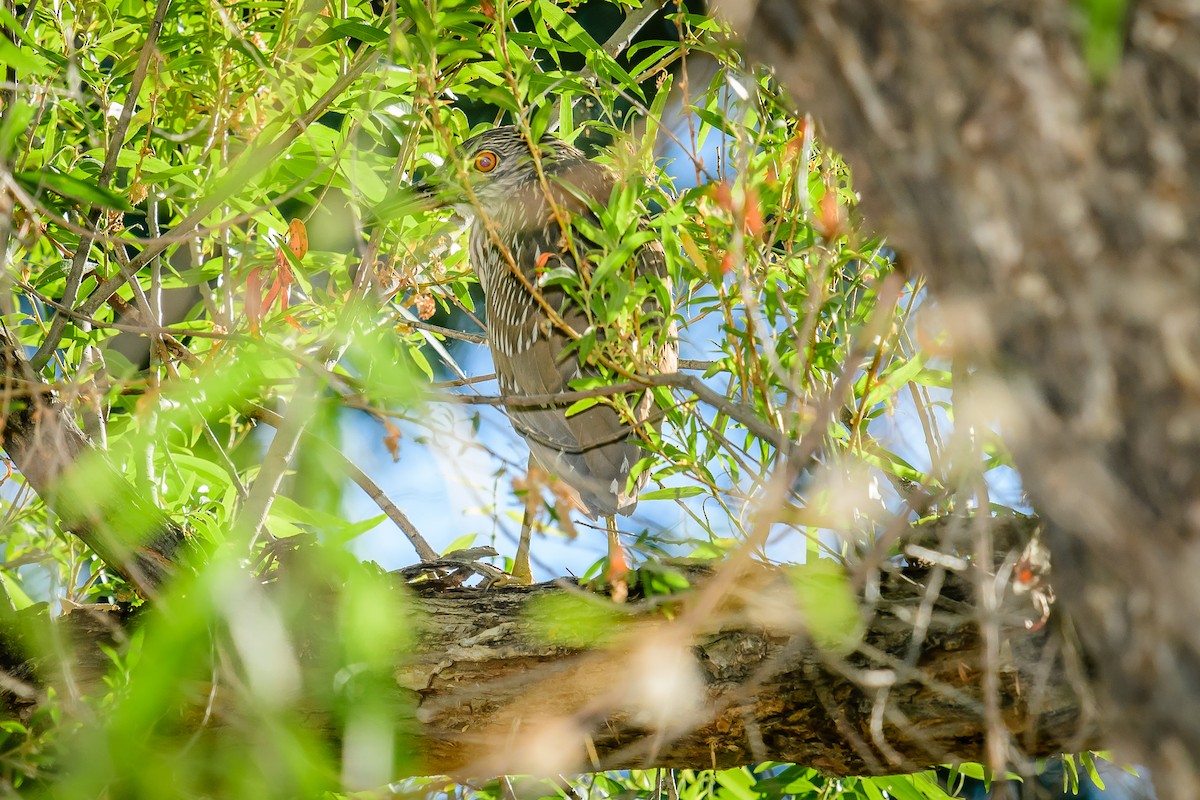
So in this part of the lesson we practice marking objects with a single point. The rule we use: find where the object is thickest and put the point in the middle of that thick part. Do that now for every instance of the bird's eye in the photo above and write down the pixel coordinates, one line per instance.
(486, 161)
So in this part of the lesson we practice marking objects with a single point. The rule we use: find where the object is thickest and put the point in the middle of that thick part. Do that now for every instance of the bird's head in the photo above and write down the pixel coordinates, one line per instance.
(495, 173)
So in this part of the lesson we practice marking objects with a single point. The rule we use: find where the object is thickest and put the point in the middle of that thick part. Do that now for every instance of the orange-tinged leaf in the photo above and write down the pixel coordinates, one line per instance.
(830, 216)
(284, 279)
(795, 145)
(392, 440)
(147, 402)
(563, 508)
(298, 238)
(269, 300)
(722, 195)
(753, 221)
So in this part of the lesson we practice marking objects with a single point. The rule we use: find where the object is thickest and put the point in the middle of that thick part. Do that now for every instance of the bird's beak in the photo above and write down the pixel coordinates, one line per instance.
(433, 194)
(425, 190)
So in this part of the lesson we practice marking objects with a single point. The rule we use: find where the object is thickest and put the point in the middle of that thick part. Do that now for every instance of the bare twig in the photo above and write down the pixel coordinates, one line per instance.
(738, 412)
(449, 333)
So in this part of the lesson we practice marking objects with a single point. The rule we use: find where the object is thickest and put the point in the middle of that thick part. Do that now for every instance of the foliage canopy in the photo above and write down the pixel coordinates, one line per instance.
(212, 256)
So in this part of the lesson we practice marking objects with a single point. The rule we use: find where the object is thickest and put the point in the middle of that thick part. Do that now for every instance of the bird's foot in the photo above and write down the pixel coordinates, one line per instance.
(518, 577)
(522, 571)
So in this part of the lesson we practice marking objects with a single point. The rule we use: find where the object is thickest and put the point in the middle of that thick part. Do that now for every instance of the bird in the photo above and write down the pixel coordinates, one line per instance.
(525, 201)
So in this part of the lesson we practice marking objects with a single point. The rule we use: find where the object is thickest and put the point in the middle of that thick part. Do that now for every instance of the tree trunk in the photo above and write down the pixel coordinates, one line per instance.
(1052, 201)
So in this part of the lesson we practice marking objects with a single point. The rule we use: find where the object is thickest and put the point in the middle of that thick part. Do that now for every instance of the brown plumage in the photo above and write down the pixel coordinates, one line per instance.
(516, 240)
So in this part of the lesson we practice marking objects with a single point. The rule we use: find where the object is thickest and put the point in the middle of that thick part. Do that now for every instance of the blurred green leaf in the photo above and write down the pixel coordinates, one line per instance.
(72, 188)
(574, 620)
(829, 604)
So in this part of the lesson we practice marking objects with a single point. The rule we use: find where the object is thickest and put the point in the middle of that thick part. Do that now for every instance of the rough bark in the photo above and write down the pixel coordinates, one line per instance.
(498, 688)
(91, 498)
(1055, 210)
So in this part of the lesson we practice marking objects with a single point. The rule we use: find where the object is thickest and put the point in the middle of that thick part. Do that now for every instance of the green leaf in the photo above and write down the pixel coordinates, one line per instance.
(900, 787)
(351, 530)
(659, 579)
(72, 188)
(21, 59)
(737, 783)
(352, 30)
(16, 124)
(1090, 765)
(673, 493)
(581, 405)
(462, 292)
(1070, 774)
(581, 42)
(16, 595)
(418, 357)
(894, 378)
(1103, 35)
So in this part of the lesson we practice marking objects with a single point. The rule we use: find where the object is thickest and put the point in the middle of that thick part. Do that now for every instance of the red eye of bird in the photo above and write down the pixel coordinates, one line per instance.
(486, 161)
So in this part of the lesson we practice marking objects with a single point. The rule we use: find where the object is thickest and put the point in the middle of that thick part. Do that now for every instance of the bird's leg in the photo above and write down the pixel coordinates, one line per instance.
(522, 571)
(618, 566)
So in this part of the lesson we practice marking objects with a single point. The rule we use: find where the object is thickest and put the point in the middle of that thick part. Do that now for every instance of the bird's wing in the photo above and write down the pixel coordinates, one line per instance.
(592, 450)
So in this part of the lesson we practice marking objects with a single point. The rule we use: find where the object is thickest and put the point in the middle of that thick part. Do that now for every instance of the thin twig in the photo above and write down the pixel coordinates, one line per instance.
(449, 333)
(279, 455)
(115, 143)
(252, 162)
(614, 46)
(735, 411)
(463, 381)
(365, 483)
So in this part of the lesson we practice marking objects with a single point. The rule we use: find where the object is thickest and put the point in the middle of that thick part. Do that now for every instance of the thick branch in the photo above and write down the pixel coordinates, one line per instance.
(498, 687)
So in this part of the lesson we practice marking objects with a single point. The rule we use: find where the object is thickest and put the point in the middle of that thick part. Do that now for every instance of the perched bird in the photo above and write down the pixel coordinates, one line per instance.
(525, 203)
